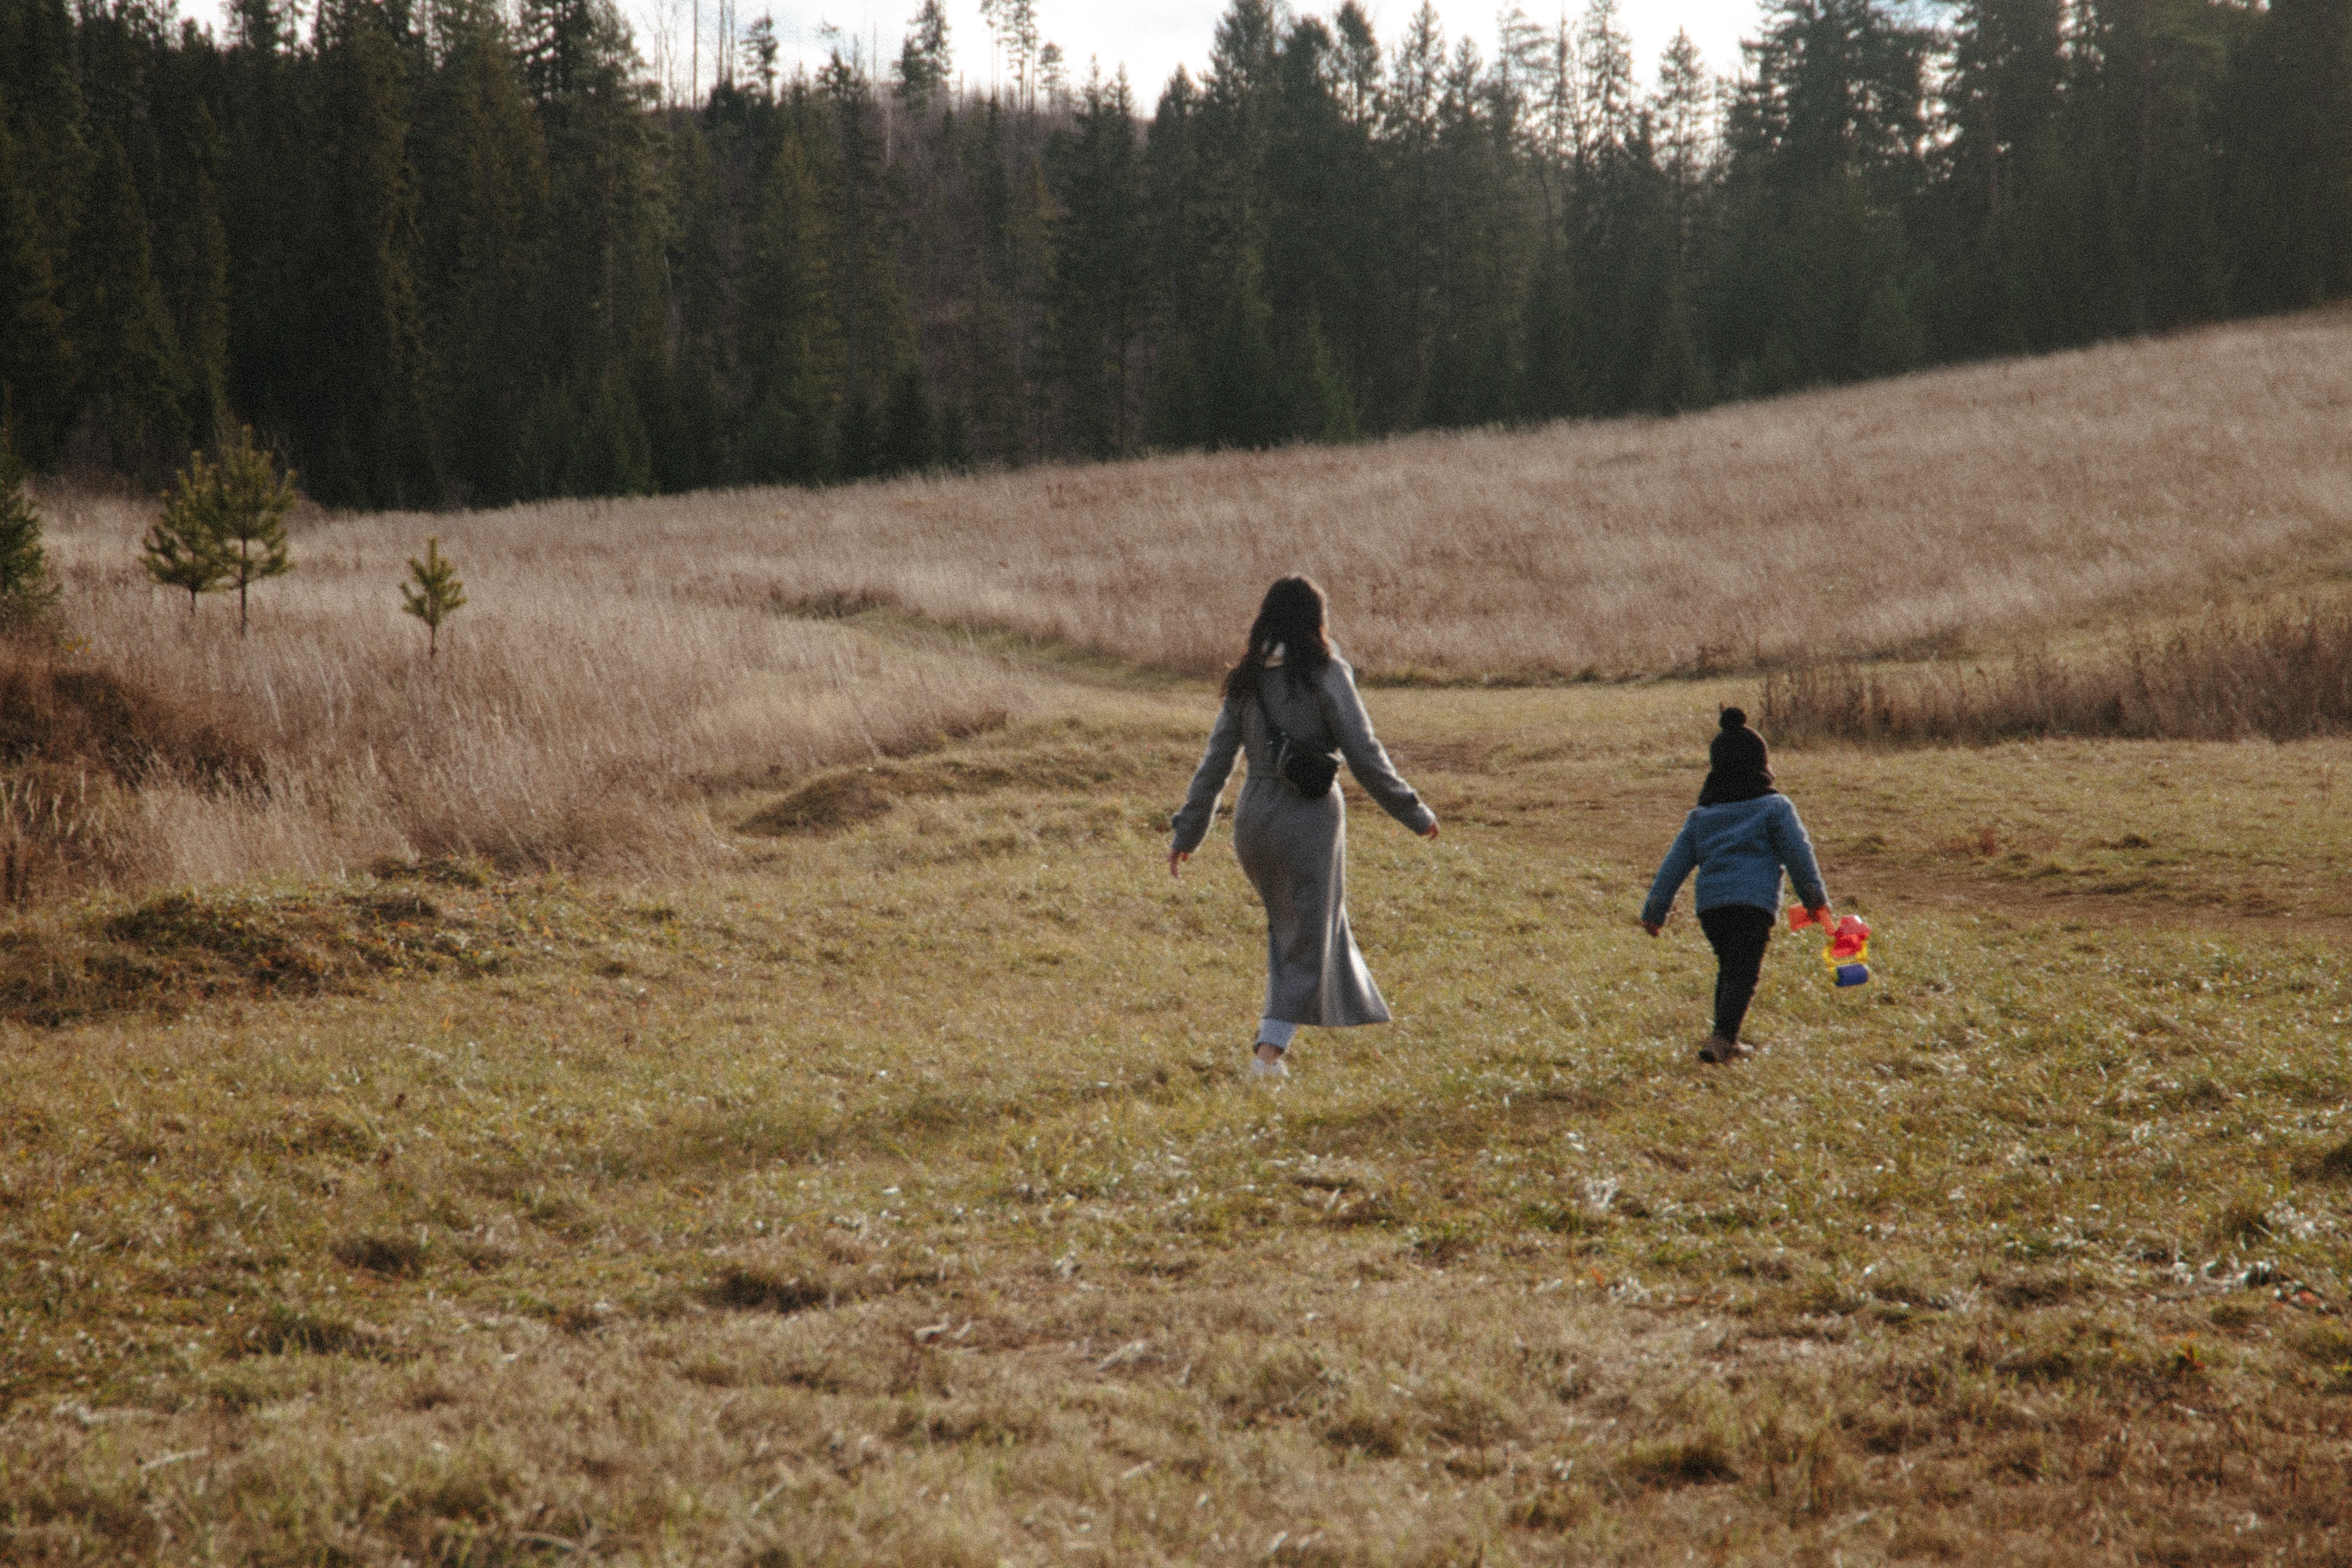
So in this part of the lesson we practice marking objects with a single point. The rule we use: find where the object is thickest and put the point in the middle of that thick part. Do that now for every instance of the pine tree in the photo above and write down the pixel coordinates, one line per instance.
(1240, 387)
(131, 375)
(1098, 292)
(1890, 341)
(1014, 22)
(603, 281)
(481, 165)
(909, 443)
(27, 588)
(925, 62)
(254, 501)
(36, 365)
(182, 549)
(857, 441)
(612, 452)
(269, 208)
(2288, 115)
(1332, 407)
(787, 332)
(1676, 382)
(433, 593)
(1359, 63)
(194, 271)
(1826, 141)
(364, 417)
(1549, 387)
(1683, 111)
(225, 526)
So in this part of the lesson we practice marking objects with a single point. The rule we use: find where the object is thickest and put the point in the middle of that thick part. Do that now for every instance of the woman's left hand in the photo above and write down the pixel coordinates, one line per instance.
(1176, 859)
(1430, 832)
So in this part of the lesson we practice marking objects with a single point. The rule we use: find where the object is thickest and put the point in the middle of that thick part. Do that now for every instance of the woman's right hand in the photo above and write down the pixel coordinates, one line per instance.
(1176, 859)
(1431, 831)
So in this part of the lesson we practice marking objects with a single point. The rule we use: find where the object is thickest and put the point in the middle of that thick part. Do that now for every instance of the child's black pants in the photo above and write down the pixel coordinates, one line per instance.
(1738, 932)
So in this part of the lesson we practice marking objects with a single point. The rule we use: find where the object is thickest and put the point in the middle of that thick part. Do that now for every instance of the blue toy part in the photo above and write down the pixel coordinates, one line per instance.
(1853, 974)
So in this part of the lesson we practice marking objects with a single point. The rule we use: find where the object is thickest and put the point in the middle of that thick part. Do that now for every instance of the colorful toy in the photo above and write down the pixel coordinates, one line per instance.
(1849, 944)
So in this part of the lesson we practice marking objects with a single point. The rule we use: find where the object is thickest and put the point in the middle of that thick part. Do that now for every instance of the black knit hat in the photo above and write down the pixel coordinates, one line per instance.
(1739, 765)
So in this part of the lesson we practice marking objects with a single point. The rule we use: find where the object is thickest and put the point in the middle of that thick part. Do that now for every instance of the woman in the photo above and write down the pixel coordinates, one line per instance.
(1293, 849)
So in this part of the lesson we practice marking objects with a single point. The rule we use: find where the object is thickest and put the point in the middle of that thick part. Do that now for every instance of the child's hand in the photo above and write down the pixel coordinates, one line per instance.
(1653, 927)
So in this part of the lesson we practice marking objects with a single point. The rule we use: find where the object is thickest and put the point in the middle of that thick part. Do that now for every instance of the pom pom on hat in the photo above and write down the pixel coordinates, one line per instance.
(1734, 718)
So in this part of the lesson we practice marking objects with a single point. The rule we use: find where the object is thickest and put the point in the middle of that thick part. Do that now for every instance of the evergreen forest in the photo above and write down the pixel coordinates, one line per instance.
(459, 252)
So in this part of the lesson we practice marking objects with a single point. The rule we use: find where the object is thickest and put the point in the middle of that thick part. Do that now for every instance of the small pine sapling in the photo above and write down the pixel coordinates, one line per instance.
(182, 549)
(26, 587)
(433, 593)
(251, 537)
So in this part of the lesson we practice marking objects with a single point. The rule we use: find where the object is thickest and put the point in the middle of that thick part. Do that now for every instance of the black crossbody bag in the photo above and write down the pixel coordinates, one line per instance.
(1303, 768)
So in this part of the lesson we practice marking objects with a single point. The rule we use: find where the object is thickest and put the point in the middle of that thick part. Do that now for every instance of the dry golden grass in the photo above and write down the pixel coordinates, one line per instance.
(1955, 506)
(616, 654)
(581, 705)
(2283, 674)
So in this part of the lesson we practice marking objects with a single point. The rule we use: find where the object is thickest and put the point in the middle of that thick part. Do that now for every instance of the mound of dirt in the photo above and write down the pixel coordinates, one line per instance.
(1067, 756)
(168, 952)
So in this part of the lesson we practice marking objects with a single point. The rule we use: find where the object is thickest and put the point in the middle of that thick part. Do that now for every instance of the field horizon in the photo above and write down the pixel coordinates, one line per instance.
(797, 1121)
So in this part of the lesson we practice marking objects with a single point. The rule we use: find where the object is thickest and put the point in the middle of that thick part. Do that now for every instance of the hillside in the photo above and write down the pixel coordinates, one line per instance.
(1958, 506)
(619, 661)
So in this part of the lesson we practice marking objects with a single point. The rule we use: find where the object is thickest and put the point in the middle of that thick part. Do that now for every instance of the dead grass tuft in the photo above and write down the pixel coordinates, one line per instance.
(285, 1330)
(67, 712)
(1690, 1461)
(824, 804)
(746, 1288)
(2284, 677)
(394, 1255)
(77, 741)
(2243, 1220)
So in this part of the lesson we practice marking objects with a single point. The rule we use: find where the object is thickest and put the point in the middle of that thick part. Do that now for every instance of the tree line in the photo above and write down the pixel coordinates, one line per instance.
(456, 252)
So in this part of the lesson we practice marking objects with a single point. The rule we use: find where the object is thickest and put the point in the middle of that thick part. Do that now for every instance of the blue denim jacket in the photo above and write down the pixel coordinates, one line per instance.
(1739, 849)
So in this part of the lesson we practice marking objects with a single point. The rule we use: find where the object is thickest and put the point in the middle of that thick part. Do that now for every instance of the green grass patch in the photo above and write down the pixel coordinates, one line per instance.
(897, 1194)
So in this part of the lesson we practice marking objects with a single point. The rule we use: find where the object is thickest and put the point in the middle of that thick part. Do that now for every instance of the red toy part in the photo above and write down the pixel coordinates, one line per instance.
(1850, 938)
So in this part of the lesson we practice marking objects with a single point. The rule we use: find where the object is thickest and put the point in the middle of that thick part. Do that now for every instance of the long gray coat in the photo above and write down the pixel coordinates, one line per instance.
(1294, 852)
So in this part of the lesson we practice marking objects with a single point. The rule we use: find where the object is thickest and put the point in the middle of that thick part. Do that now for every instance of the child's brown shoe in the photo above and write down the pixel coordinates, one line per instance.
(1719, 1050)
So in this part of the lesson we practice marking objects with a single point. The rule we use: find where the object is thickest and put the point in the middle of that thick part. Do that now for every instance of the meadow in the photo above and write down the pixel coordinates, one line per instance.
(621, 661)
(874, 1180)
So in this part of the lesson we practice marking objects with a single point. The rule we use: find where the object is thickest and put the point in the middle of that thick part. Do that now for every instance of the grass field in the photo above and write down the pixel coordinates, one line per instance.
(714, 1069)
(895, 1196)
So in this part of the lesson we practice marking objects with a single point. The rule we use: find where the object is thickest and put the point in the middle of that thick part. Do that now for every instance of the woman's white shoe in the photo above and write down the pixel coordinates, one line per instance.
(1276, 1069)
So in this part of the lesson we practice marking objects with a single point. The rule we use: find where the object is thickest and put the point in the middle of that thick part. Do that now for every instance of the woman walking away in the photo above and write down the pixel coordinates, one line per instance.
(1741, 837)
(1288, 703)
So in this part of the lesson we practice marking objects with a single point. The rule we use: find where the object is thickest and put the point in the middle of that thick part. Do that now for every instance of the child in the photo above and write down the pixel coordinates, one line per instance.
(1741, 837)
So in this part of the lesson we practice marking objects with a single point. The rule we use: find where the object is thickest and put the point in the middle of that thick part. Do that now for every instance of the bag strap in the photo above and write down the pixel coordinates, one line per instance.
(1282, 737)
(1275, 732)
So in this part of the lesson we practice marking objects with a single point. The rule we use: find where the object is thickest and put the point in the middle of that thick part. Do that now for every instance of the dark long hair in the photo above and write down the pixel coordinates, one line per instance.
(1290, 618)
